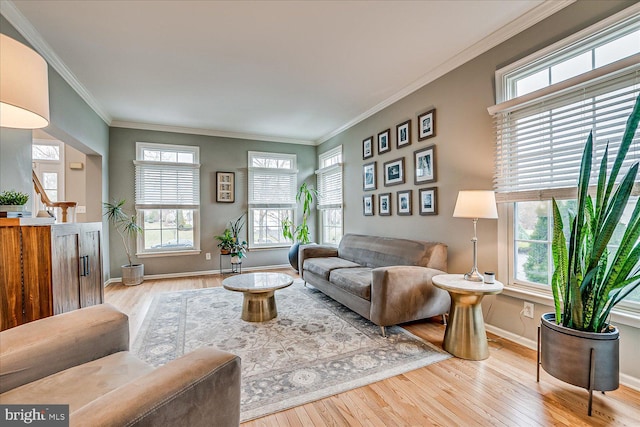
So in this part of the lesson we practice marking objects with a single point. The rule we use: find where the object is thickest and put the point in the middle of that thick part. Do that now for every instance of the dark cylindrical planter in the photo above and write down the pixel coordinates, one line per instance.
(566, 355)
(293, 255)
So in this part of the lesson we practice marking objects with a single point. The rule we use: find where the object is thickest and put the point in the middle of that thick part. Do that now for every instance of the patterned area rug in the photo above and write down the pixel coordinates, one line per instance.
(315, 347)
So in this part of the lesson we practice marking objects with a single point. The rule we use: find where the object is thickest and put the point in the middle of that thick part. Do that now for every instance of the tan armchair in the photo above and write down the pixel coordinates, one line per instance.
(81, 358)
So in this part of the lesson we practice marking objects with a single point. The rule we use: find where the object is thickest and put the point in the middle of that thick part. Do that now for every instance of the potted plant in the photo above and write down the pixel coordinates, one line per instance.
(577, 344)
(13, 201)
(299, 234)
(226, 241)
(230, 243)
(127, 227)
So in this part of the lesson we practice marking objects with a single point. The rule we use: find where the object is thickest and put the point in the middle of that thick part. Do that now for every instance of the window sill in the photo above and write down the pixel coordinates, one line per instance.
(264, 248)
(167, 253)
(621, 315)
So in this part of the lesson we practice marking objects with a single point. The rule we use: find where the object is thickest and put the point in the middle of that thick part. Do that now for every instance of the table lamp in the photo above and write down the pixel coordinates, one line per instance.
(24, 86)
(475, 204)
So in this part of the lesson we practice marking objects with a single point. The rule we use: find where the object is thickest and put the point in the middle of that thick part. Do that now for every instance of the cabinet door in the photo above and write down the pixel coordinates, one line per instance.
(66, 265)
(36, 271)
(10, 278)
(91, 292)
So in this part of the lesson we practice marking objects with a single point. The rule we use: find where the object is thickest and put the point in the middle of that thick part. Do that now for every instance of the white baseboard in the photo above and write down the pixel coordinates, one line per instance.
(196, 273)
(626, 380)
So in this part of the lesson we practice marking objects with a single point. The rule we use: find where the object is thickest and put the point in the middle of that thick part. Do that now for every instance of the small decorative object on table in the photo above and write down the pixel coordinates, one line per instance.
(12, 203)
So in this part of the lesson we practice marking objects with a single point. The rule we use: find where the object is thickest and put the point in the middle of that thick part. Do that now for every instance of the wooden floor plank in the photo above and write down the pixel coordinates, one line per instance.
(501, 390)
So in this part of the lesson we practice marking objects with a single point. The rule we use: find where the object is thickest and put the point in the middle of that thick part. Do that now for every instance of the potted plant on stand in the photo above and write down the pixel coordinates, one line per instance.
(230, 243)
(576, 343)
(299, 234)
(127, 227)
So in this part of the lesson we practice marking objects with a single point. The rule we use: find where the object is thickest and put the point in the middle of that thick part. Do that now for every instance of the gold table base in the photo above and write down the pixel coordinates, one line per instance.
(259, 307)
(465, 336)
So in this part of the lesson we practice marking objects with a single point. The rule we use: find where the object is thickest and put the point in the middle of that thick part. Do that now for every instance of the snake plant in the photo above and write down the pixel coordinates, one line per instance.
(588, 280)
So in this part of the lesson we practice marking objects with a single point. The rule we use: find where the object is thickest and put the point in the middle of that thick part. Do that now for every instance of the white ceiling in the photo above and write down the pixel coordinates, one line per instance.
(280, 70)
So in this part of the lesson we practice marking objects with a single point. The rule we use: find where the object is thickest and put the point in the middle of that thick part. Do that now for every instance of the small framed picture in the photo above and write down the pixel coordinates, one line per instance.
(225, 187)
(427, 125)
(369, 176)
(404, 202)
(383, 141)
(428, 201)
(425, 165)
(394, 172)
(367, 205)
(367, 148)
(384, 204)
(403, 134)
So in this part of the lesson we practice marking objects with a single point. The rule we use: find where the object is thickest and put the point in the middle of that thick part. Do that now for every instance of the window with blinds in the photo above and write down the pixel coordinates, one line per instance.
(329, 178)
(271, 196)
(549, 103)
(167, 193)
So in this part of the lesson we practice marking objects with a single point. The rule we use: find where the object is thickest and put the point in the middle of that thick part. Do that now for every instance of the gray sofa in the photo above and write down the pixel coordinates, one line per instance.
(385, 280)
(81, 359)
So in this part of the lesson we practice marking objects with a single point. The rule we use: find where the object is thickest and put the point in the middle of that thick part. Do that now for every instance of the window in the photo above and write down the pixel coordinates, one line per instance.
(330, 195)
(272, 197)
(48, 164)
(550, 102)
(167, 198)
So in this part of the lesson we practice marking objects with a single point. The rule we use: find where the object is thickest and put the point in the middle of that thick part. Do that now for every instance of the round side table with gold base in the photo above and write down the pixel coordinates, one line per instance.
(465, 336)
(259, 303)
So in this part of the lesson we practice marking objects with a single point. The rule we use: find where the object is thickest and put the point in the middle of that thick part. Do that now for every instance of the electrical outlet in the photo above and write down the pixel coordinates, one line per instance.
(527, 311)
(207, 256)
(81, 209)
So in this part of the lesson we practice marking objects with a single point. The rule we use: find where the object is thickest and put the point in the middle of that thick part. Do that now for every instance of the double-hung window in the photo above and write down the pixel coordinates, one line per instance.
(167, 199)
(271, 198)
(548, 104)
(330, 195)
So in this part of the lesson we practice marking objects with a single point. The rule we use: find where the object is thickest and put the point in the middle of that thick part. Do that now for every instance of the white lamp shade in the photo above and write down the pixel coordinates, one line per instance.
(476, 204)
(24, 86)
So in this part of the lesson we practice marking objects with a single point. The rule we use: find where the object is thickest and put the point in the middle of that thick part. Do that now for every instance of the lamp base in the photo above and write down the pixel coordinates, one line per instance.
(474, 276)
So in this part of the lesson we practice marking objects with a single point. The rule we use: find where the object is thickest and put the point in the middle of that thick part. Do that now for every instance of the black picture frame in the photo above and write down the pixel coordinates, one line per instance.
(404, 205)
(428, 201)
(427, 125)
(369, 176)
(368, 205)
(384, 204)
(394, 172)
(424, 165)
(367, 148)
(384, 141)
(403, 134)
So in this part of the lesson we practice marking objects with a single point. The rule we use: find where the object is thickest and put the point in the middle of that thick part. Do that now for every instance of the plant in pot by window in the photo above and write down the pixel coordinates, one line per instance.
(127, 227)
(230, 243)
(577, 344)
(13, 201)
(299, 234)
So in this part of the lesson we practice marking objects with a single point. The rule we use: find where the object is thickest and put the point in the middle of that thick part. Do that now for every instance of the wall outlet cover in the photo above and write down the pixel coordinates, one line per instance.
(527, 311)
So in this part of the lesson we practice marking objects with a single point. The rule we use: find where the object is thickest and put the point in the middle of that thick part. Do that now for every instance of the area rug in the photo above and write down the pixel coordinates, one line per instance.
(315, 347)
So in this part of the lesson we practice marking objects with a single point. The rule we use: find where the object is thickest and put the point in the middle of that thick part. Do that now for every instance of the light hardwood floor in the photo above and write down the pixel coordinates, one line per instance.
(499, 391)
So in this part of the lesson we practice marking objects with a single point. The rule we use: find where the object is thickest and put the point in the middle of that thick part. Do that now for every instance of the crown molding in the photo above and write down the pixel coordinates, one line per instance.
(28, 31)
(209, 132)
(532, 17)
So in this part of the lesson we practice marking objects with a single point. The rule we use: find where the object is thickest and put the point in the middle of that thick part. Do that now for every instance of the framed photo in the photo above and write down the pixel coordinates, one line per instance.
(394, 172)
(424, 161)
(367, 205)
(428, 201)
(383, 141)
(404, 202)
(427, 125)
(384, 204)
(367, 148)
(369, 176)
(225, 187)
(403, 134)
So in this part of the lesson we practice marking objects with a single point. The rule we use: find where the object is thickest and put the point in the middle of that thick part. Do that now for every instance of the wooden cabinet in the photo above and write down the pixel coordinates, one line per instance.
(46, 270)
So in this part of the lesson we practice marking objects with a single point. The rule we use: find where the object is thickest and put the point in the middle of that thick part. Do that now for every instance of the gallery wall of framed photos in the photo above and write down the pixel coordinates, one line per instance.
(404, 166)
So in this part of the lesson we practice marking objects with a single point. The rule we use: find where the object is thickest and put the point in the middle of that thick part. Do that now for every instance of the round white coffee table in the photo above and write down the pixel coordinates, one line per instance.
(465, 336)
(259, 303)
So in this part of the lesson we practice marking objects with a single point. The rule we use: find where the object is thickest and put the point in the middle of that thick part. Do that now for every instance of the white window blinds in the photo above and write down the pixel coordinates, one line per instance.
(167, 185)
(272, 180)
(541, 136)
(330, 187)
